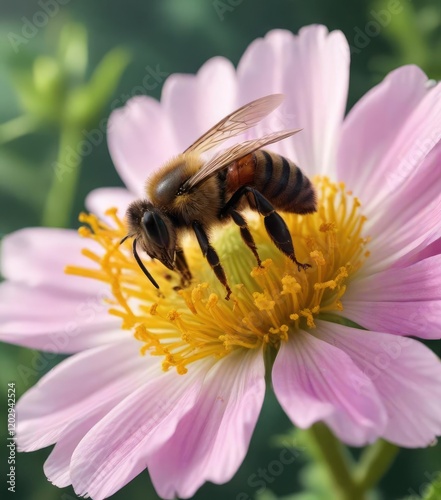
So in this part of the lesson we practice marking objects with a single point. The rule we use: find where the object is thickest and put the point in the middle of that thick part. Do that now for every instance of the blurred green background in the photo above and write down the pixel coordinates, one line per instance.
(46, 70)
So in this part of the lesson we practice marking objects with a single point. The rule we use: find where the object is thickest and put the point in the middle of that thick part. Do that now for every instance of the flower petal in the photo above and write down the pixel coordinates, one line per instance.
(211, 441)
(74, 388)
(403, 301)
(429, 250)
(194, 103)
(42, 307)
(390, 153)
(57, 466)
(402, 229)
(312, 70)
(407, 376)
(315, 381)
(100, 200)
(38, 256)
(372, 126)
(116, 449)
(417, 137)
(140, 141)
(52, 321)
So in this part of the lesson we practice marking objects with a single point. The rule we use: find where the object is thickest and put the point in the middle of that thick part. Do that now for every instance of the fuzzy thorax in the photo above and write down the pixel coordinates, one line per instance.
(205, 200)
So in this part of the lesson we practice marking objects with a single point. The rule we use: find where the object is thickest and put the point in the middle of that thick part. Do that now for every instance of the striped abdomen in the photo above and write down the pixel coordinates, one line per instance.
(277, 178)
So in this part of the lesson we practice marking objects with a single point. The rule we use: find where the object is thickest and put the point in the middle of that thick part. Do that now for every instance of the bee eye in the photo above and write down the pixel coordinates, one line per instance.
(156, 229)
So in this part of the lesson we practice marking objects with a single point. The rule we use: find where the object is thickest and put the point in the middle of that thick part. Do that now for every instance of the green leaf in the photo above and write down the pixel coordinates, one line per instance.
(73, 52)
(86, 104)
(433, 490)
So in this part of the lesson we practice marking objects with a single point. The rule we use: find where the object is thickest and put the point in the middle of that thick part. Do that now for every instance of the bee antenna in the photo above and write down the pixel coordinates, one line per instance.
(124, 239)
(140, 263)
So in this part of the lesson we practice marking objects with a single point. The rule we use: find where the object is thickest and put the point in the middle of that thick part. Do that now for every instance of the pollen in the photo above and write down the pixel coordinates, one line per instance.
(269, 303)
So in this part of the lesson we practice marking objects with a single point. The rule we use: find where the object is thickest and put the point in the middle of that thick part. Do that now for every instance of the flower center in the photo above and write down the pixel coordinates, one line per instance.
(268, 303)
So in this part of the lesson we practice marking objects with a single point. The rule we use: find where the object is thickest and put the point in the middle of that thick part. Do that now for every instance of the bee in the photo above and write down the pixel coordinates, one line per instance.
(193, 194)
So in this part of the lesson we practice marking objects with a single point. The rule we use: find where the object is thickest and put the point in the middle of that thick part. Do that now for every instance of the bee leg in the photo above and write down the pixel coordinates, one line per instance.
(245, 233)
(182, 268)
(210, 254)
(274, 224)
(276, 228)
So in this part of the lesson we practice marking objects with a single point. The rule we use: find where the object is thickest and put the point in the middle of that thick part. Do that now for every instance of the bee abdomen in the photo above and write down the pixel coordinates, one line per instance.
(283, 183)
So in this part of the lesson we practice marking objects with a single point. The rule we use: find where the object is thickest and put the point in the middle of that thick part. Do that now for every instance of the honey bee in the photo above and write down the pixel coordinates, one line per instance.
(190, 193)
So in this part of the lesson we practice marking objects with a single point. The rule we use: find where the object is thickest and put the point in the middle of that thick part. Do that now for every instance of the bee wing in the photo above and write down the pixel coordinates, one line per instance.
(237, 122)
(223, 158)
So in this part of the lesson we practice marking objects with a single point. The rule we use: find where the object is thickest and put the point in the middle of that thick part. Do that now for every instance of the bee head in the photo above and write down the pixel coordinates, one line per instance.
(153, 231)
(158, 237)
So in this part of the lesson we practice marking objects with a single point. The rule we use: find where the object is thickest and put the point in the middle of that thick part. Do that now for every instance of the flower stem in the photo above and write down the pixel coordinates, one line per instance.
(351, 481)
(58, 207)
(17, 127)
(337, 461)
(374, 463)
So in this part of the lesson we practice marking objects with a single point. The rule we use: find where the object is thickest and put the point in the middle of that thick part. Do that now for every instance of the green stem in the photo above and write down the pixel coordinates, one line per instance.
(337, 461)
(58, 208)
(17, 127)
(351, 482)
(374, 463)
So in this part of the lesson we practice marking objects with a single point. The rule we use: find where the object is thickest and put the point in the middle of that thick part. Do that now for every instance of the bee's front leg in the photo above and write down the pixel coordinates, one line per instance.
(182, 268)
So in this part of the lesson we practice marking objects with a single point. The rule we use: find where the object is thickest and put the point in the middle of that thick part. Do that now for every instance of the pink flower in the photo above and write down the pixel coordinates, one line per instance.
(112, 412)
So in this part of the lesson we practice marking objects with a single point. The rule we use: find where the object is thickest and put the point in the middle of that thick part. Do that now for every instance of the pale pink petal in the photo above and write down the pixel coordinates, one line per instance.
(194, 103)
(418, 135)
(100, 200)
(402, 228)
(211, 441)
(44, 308)
(140, 141)
(57, 466)
(216, 87)
(403, 301)
(76, 387)
(312, 70)
(372, 126)
(315, 381)
(407, 376)
(390, 154)
(55, 321)
(38, 256)
(117, 448)
(430, 250)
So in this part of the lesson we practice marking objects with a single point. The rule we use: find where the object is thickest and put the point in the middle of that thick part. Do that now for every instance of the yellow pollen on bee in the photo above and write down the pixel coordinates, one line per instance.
(269, 302)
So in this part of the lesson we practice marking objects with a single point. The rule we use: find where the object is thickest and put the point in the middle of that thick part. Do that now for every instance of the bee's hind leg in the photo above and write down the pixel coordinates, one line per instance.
(275, 226)
(211, 255)
(245, 233)
(182, 268)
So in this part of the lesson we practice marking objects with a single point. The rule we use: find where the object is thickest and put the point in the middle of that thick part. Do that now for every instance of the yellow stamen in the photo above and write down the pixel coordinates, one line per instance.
(268, 303)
